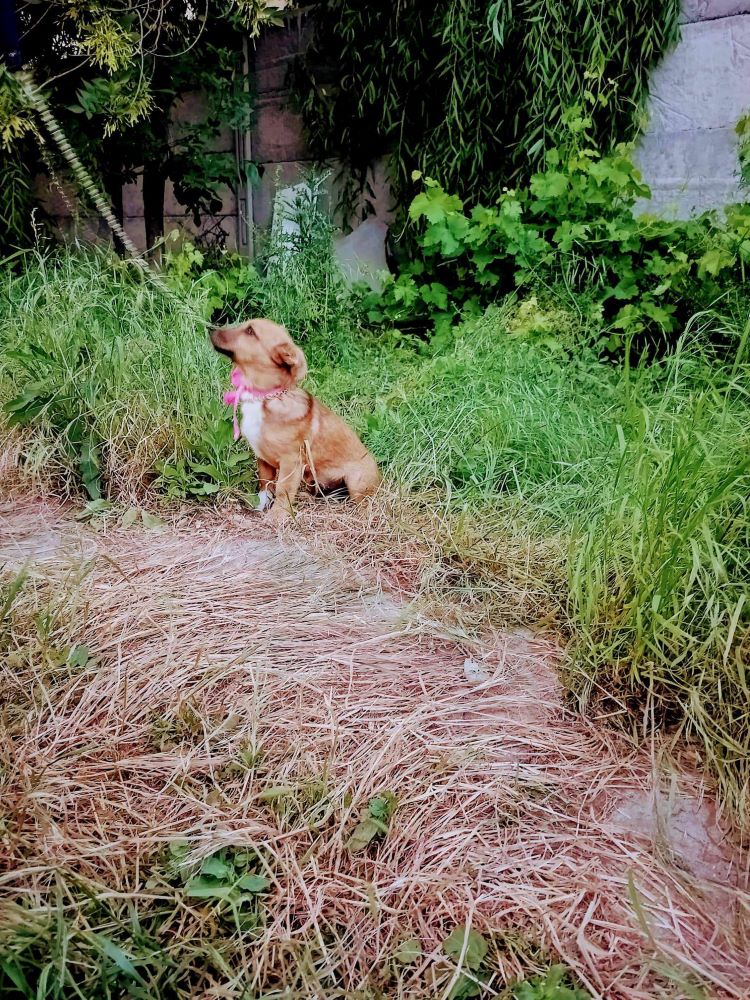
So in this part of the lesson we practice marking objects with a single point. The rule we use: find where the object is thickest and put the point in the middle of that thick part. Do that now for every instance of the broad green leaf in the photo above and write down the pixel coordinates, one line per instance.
(276, 792)
(116, 955)
(364, 833)
(205, 888)
(408, 952)
(78, 656)
(382, 806)
(151, 520)
(130, 516)
(22, 409)
(714, 261)
(464, 988)
(434, 205)
(476, 947)
(217, 868)
(13, 971)
(253, 883)
(93, 507)
(205, 489)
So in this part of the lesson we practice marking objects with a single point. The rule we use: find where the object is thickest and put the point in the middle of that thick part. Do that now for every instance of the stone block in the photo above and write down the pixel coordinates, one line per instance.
(361, 253)
(135, 228)
(704, 83)
(56, 199)
(277, 136)
(190, 109)
(173, 207)
(185, 226)
(690, 171)
(709, 10)
(272, 79)
(132, 198)
(277, 44)
(275, 177)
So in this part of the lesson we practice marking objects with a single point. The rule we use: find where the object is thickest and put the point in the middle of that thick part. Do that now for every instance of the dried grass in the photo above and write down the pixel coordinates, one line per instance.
(216, 643)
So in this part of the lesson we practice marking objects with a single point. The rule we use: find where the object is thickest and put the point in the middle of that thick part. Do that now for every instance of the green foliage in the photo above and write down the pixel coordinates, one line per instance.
(121, 101)
(296, 279)
(470, 949)
(16, 196)
(554, 985)
(230, 880)
(471, 93)
(210, 465)
(68, 413)
(658, 576)
(374, 823)
(115, 376)
(112, 74)
(742, 129)
(573, 227)
(84, 941)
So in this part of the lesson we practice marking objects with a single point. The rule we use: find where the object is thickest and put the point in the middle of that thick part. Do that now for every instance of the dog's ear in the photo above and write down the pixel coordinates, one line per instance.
(289, 356)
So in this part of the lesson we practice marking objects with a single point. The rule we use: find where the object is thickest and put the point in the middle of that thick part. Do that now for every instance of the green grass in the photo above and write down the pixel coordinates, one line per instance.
(108, 361)
(641, 473)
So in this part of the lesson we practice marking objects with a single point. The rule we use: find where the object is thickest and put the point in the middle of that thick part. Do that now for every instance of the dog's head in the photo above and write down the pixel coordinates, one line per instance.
(263, 351)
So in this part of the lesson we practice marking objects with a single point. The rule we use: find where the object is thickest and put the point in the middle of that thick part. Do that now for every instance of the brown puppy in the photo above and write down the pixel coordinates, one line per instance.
(294, 436)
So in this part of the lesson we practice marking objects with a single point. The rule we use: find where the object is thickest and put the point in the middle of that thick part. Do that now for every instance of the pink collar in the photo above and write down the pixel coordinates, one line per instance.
(243, 393)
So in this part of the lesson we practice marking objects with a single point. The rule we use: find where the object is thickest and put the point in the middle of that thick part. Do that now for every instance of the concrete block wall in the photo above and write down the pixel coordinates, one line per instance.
(60, 203)
(688, 152)
(277, 140)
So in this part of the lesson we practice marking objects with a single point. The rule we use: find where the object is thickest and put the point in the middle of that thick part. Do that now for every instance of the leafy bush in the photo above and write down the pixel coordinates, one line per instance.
(472, 93)
(573, 229)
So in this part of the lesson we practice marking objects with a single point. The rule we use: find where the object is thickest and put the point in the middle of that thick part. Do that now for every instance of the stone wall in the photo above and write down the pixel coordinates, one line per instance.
(277, 138)
(277, 144)
(61, 205)
(688, 152)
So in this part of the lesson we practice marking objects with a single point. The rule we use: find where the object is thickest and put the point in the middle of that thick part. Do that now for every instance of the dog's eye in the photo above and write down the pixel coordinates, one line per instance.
(249, 332)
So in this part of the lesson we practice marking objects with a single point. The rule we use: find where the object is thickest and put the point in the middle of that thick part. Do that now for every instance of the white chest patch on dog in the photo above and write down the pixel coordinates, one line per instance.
(252, 421)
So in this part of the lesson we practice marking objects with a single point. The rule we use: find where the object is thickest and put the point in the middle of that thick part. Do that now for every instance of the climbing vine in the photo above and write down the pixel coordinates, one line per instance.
(469, 92)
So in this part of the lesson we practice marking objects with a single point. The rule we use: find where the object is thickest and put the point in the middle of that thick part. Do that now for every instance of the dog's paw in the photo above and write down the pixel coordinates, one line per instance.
(265, 499)
(278, 515)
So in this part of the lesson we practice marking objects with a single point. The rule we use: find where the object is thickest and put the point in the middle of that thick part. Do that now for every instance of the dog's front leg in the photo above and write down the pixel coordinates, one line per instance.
(266, 476)
(288, 482)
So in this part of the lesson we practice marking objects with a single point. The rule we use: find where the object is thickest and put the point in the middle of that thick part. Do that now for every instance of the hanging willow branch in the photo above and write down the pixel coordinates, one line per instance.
(473, 93)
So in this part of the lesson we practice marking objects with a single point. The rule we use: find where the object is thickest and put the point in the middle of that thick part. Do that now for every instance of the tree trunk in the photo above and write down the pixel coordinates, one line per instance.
(154, 176)
(113, 187)
(153, 208)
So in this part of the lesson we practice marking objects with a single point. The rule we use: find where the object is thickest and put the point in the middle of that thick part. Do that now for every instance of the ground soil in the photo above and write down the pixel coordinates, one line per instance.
(211, 633)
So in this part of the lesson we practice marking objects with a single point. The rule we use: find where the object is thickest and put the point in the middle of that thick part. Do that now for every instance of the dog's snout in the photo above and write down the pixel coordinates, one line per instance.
(217, 336)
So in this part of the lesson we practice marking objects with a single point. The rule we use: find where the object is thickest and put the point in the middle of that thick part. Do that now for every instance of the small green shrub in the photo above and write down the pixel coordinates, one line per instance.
(554, 985)
(572, 229)
(296, 282)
